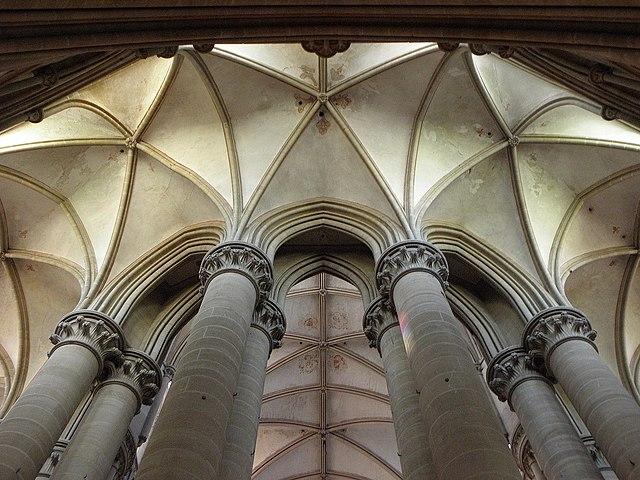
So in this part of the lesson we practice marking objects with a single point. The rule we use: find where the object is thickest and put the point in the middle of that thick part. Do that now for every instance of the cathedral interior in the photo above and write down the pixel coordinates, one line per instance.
(234, 249)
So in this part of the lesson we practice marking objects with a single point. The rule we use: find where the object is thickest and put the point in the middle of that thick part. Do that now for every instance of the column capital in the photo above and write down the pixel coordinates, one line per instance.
(378, 318)
(521, 449)
(510, 368)
(554, 326)
(406, 257)
(136, 371)
(241, 258)
(269, 319)
(92, 330)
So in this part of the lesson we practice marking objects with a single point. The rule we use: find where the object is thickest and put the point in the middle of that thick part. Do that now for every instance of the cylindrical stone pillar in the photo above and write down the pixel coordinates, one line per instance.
(128, 384)
(190, 435)
(268, 328)
(463, 433)
(515, 377)
(564, 338)
(526, 461)
(383, 331)
(28, 433)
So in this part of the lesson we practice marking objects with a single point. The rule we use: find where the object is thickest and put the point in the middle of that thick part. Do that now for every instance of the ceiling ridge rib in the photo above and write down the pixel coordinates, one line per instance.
(268, 175)
(572, 210)
(416, 129)
(264, 69)
(373, 169)
(65, 205)
(229, 135)
(383, 67)
(367, 451)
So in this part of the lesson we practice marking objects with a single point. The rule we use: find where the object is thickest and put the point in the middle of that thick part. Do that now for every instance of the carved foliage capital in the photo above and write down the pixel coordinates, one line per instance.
(92, 330)
(554, 326)
(378, 318)
(138, 372)
(241, 258)
(510, 368)
(326, 48)
(269, 318)
(406, 257)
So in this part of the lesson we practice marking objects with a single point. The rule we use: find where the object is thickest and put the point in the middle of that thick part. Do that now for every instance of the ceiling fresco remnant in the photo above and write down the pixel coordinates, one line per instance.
(228, 144)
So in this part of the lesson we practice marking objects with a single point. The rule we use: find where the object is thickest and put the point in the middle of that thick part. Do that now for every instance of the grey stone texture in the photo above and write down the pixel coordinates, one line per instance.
(383, 331)
(516, 378)
(266, 333)
(30, 430)
(564, 338)
(463, 432)
(95, 445)
(189, 438)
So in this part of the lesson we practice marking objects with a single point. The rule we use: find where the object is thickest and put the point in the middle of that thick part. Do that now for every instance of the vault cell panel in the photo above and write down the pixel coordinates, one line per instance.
(189, 130)
(263, 111)
(382, 110)
(456, 126)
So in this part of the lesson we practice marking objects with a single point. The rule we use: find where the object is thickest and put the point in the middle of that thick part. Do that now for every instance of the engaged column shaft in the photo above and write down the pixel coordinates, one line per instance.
(565, 339)
(266, 333)
(31, 428)
(383, 331)
(463, 432)
(514, 376)
(118, 398)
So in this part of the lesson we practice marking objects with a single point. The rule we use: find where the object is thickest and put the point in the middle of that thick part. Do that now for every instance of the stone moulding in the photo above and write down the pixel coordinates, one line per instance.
(406, 257)
(242, 258)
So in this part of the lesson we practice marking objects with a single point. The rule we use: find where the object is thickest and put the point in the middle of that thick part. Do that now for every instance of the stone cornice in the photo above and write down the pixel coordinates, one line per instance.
(406, 257)
(92, 330)
(269, 319)
(378, 318)
(554, 326)
(241, 258)
(509, 369)
(136, 371)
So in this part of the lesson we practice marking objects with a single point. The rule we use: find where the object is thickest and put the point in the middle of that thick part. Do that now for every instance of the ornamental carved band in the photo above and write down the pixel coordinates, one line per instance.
(92, 330)
(378, 318)
(269, 319)
(241, 258)
(138, 372)
(554, 326)
(406, 257)
(510, 368)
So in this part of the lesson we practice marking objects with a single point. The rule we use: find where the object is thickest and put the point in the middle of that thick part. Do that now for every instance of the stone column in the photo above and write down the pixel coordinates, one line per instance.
(521, 449)
(190, 434)
(463, 433)
(268, 328)
(128, 384)
(83, 340)
(564, 338)
(515, 377)
(383, 331)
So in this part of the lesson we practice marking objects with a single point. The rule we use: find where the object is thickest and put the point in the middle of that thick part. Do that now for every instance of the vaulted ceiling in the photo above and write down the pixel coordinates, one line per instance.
(422, 139)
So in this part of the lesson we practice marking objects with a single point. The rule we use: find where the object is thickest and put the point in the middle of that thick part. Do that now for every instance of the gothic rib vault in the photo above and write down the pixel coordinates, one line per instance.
(111, 201)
